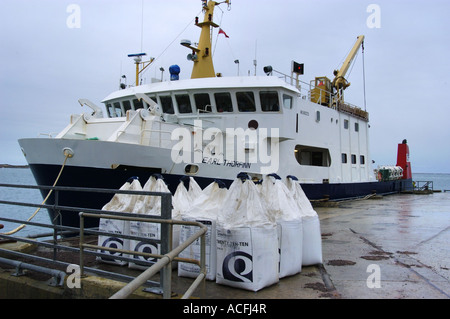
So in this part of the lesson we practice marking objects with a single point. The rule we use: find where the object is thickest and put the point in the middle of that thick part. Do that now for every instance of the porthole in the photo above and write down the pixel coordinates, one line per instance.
(191, 169)
(253, 124)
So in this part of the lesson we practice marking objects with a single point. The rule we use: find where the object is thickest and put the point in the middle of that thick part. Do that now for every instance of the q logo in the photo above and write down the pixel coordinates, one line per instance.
(112, 242)
(238, 266)
(146, 248)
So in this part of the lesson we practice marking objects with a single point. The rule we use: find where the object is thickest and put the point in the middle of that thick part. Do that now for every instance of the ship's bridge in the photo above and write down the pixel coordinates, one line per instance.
(221, 95)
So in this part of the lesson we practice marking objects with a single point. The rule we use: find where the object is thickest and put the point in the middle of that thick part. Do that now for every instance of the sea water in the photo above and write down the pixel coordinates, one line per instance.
(23, 176)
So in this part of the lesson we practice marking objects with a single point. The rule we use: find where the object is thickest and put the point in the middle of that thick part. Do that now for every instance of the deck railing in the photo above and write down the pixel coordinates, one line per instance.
(58, 233)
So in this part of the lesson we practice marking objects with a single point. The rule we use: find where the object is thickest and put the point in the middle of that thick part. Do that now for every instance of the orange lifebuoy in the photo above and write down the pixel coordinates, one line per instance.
(379, 176)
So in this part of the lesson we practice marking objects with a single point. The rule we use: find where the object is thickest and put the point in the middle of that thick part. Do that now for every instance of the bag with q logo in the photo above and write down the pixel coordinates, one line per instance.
(119, 203)
(247, 239)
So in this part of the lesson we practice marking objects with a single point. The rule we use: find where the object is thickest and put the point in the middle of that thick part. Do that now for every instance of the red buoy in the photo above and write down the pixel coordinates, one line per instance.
(403, 159)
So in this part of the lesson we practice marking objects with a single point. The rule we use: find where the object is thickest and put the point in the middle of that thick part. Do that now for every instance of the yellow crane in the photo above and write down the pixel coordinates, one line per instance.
(339, 82)
(323, 91)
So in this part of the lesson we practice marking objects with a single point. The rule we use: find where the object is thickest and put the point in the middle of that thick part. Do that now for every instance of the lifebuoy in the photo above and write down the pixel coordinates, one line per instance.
(379, 176)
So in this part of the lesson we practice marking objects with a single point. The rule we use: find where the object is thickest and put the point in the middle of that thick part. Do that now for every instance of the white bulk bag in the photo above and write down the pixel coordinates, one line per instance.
(312, 240)
(247, 257)
(119, 203)
(247, 239)
(204, 210)
(243, 206)
(150, 206)
(281, 204)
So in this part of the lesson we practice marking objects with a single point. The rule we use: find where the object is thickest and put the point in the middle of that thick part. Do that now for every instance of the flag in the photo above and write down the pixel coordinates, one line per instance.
(223, 32)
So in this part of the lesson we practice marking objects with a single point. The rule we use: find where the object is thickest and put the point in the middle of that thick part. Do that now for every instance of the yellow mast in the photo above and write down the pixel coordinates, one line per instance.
(202, 54)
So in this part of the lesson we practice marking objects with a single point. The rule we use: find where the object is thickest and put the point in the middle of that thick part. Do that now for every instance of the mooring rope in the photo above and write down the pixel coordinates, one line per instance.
(45, 199)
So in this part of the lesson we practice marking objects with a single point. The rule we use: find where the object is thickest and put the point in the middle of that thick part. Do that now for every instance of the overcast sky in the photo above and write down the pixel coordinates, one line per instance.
(54, 52)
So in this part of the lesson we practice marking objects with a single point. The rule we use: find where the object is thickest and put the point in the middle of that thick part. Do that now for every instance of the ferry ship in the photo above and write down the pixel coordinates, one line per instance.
(214, 127)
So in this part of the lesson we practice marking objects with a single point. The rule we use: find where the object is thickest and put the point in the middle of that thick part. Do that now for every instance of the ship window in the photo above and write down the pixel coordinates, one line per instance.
(353, 159)
(344, 158)
(110, 110)
(269, 101)
(362, 160)
(184, 103)
(356, 127)
(126, 105)
(312, 156)
(223, 102)
(117, 109)
(287, 101)
(203, 103)
(317, 116)
(246, 101)
(346, 124)
(167, 104)
(138, 104)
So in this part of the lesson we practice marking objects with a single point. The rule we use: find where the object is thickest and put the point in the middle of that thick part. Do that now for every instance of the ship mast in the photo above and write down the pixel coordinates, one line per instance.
(202, 54)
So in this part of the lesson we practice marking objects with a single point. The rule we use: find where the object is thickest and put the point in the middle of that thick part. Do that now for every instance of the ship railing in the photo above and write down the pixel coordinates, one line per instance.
(324, 95)
(423, 186)
(60, 234)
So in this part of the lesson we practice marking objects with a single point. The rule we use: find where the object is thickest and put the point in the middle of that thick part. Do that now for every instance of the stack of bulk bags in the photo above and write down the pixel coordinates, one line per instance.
(312, 240)
(281, 204)
(247, 241)
(204, 210)
(119, 203)
(147, 205)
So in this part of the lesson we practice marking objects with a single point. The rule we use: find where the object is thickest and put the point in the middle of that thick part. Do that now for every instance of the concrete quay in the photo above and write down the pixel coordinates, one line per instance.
(391, 247)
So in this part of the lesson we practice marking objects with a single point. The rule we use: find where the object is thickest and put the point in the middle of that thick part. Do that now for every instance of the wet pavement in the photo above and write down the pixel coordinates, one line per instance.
(393, 247)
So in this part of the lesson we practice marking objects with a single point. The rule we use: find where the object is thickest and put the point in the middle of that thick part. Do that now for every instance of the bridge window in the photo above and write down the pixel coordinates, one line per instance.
(167, 104)
(138, 104)
(184, 103)
(110, 110)
(117, 109)
(202, 102)
(126, 105)
(223, 102)
(287, 101)
(269, 101)
(246, 101)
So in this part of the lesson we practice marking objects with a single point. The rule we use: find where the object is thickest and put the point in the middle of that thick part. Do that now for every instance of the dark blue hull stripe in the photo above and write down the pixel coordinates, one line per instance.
(114, 178)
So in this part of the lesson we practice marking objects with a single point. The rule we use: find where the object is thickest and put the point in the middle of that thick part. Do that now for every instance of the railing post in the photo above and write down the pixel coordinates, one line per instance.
(166, 244)
(81, 244)
(55, 230)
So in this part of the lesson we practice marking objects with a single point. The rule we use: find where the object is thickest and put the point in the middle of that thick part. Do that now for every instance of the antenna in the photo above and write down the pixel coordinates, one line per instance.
(142, 26)
(138, 61)
(255, 63)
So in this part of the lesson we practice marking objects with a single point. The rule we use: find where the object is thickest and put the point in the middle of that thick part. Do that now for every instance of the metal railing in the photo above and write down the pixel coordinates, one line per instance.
(423, 186)
(166, 256)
